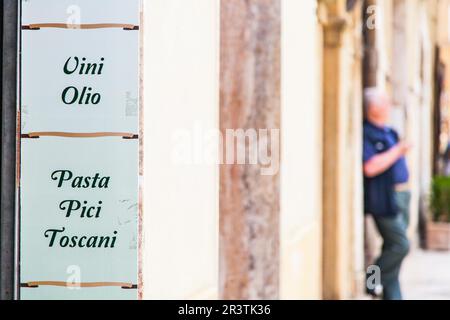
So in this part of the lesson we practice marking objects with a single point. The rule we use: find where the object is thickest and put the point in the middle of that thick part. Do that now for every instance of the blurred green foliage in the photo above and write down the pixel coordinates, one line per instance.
(440, 199)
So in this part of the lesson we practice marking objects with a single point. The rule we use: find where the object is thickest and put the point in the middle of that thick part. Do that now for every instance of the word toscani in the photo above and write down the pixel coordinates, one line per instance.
(58, 237)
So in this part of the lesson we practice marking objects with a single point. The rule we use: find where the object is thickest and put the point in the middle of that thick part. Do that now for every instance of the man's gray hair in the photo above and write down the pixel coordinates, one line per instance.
(371, 95)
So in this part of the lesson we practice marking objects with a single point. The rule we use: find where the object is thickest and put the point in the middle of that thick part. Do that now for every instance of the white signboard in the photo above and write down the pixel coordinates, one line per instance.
(79, 149)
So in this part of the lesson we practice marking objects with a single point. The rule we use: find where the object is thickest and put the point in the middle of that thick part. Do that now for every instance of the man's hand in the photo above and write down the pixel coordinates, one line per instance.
(383, 161)
(404, 147)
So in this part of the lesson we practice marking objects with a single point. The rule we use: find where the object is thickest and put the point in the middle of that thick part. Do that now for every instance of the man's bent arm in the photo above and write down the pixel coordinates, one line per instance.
(383, 161)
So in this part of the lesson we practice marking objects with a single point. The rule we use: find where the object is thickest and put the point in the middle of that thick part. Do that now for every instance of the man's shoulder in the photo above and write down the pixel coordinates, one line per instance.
(370, 130)
(392, 131)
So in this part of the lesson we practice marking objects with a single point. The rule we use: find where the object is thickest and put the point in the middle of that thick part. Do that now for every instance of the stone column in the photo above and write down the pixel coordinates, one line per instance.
(370, 67)
(249, 99)
(331, 170)
(340, 137)
(370, 71)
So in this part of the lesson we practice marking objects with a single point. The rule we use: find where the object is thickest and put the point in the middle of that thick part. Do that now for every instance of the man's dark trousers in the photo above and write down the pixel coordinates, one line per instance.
(393, 230)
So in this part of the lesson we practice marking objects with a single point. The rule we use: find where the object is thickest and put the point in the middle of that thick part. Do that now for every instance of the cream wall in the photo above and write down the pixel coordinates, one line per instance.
(385, 25)
(413, 112)
(443, 31)
(426, 102)
(408, 55)
(416, 113)
(420, 107)
(180, 222)
(301, 174)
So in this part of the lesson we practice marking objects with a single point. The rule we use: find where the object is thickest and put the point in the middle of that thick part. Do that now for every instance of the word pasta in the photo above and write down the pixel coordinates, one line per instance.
(66, 177)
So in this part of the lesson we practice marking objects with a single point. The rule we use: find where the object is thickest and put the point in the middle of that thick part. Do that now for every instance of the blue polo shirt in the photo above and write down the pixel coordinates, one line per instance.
(386, 139)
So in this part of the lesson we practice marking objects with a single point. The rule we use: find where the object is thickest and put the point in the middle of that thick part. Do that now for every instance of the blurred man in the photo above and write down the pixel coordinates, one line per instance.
(386, 190)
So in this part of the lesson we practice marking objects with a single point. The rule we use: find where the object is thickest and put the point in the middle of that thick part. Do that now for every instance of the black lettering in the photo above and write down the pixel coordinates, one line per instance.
(62, 176)
(55, 231)
(66, 66)
(74, 97)
(73, 206)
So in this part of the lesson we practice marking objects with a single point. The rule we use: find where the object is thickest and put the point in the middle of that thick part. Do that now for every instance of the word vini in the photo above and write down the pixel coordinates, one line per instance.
(73, 95)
